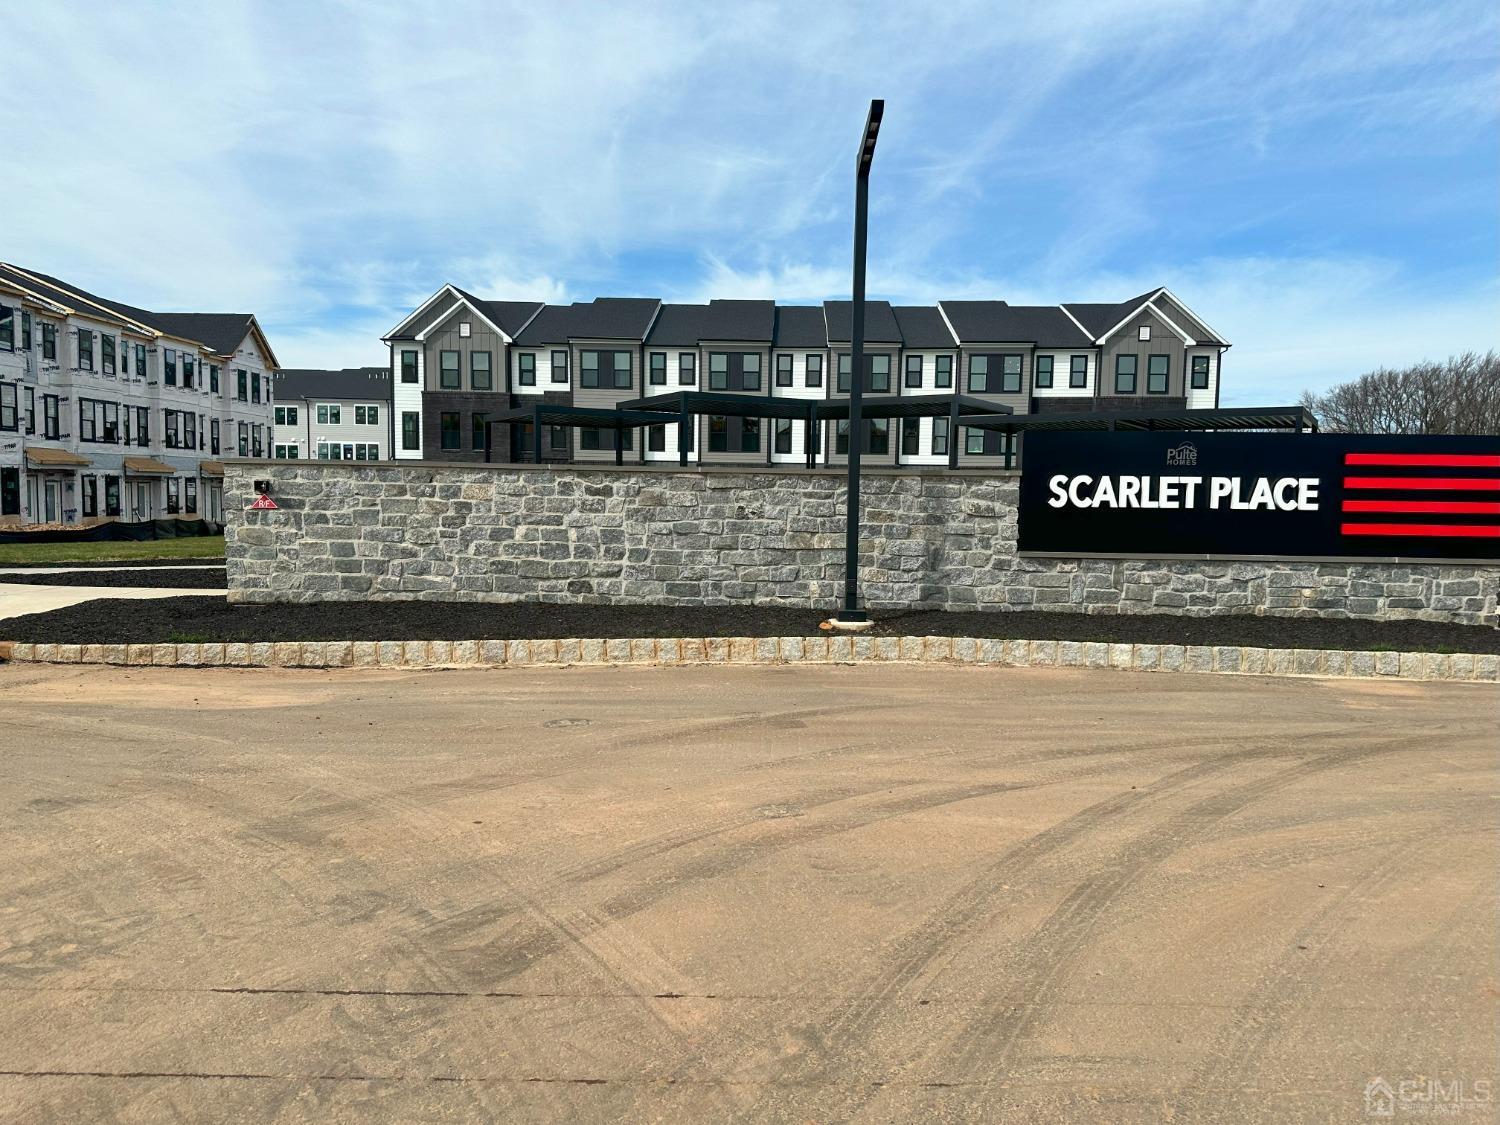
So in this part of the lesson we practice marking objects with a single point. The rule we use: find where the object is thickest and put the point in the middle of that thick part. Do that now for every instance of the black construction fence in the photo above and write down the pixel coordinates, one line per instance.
(115, 531)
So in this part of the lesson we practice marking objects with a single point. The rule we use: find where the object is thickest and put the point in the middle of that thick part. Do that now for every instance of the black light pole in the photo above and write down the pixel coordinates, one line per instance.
(852, 614)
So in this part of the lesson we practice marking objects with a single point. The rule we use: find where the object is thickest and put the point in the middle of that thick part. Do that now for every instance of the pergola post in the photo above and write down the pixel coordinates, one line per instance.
(684, 435)
(619, 444)
(807, 438)
(953, 434)
(536, 434)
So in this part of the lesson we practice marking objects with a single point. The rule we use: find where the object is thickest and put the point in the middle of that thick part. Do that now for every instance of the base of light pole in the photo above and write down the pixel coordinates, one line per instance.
(846, 626)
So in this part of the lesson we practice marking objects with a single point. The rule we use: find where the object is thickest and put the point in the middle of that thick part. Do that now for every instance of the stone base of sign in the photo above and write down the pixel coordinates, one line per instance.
(1460, 667)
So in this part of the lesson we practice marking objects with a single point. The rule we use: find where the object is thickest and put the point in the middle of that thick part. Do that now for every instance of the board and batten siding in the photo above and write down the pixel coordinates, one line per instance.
(1127, 341)
(448, 337)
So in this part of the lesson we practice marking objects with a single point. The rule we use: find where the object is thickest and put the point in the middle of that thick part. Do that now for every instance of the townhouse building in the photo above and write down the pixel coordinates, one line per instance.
(112, 412)
(1150, 352)
(342, 415)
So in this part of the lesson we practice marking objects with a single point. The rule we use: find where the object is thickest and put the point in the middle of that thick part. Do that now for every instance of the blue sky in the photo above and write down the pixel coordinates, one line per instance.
(1319, 181)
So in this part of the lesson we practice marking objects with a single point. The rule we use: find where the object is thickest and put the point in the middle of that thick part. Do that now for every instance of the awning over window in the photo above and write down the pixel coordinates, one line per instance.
(211, 468)
(46, 457)
(147, 467)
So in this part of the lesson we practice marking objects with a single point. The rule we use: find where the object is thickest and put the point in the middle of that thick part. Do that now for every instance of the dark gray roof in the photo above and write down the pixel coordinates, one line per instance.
(549, 326)
(995, 322)
(1100, 318)
(604, 318)
(740, 320)
(678, 326)
(801, 326)
(371, 384)
(880, 322)
(220, 332)
(508, 316)
(922, 326)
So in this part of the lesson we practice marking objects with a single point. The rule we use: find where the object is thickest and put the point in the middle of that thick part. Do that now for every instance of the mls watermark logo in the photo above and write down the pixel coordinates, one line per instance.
(1427, 1097)
(1184, 454)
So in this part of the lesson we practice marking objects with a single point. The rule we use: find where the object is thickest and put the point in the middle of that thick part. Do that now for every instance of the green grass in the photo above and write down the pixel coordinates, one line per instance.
(198, 547)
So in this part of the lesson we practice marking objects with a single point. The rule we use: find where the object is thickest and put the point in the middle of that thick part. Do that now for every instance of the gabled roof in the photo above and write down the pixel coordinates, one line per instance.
(604, 318)
(1103, 320)
(740, 320)
(801, 326)
(923, 326)
(366, 383)
(678, 326)
(222, 332)
(508, 316)
(880, 322)
(995, 322)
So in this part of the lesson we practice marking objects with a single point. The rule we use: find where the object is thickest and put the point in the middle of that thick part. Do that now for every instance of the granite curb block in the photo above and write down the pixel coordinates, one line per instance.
(1227, 659)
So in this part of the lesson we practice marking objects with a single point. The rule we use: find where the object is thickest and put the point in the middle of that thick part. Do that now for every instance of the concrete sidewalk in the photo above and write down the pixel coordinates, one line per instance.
(17, 599)
(875, 893)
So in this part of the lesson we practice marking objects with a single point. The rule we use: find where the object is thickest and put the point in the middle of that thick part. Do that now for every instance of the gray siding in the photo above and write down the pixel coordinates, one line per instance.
(482, 338)
(605, 396)
(1126, 342)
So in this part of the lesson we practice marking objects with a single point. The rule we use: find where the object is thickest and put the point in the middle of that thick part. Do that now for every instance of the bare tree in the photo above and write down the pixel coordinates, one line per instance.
(1461, 396)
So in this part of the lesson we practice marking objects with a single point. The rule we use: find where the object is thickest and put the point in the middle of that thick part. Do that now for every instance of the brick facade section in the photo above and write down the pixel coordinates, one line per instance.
(350, 531)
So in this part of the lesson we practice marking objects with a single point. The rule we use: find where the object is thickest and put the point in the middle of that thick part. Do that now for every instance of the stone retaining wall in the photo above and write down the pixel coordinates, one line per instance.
(351, 531)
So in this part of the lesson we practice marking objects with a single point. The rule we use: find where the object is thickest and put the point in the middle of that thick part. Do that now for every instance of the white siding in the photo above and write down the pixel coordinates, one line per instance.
(407, 396)
(1061, 373)
(673, 383)
(1203, 399)
(924, 454)
(798, 389)
(544, 381)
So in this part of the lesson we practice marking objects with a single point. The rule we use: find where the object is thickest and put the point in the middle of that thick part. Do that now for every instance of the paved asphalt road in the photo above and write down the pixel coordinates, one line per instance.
(876, 894)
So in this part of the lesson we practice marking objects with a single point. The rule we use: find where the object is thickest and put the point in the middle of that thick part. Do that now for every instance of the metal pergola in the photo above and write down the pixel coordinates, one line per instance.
(689, 405)
(542, 414)
(956, 408)
(1296, 418)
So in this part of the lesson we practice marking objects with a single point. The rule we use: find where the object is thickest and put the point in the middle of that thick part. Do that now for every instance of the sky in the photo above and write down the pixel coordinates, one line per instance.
(1320, 182)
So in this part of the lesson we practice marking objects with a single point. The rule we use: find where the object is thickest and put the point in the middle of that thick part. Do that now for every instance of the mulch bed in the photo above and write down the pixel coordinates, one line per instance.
(163, 578)
(200, 619)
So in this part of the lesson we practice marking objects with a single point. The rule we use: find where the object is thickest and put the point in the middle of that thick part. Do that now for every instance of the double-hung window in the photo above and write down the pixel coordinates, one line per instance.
(1200, 373)
(718, 377)
(242, 384)
(750, 434)
(30, 410)
(481, 376)
(190, 495)
(656, 439)
(622, 371)
(174, 492)
(7, 328)
(943, 371)
(526, 369)
(8, 407)
(25, 331)
(411, 430)
(718, 429)
(244, 439)
(51, 417)
(174, 437)
(213, 370)
(448, 373)
(448, 422)
(169, 366)
(1158, 374)
(85, 350)
(560, 365)
(106, 353)
(783, 379)
(940, 436)
(913, 379)
(687, 368)
(880, 374)
(1042, 376)
(658, 369)
(408, 365)
(750, 381)
(143, 427)
(996, 374)
(478, 426)
(784, 434)
(846, 365)
(49, 341)
(213, 436)
(1078, 371)
(814, 362)
(588, 374)
(1125, 369)
(187, 371)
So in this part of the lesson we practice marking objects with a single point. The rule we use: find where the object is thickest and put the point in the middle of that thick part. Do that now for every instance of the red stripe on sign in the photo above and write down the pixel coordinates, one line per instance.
(1431, 507)
(1426, 530)
(1470, 484)
(1446, 460)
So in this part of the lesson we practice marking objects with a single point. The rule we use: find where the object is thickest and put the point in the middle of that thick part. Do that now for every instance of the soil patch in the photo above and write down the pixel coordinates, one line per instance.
(163, 578)
(199, 619)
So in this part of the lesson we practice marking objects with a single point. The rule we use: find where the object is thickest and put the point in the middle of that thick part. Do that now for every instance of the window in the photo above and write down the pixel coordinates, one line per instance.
(477, 427)
(348, 451)
(718, 378)
(658, 369)
(30, 410)
(880, 373)
(1043, 373)
(51, 417)
(557, 437)
(814, 370)
(750, 434)
(214, 436)
(7, 328)
(590, 437)
(943, 372)
(189, 430)
(784, 434)
(622, 372)
(85, 350)
(996, 373)
(750, 380)
(106, 353)
(143, 427)
(718, 429)
(913, 375)
(365, 451)
(169, 366)
(589, 376)
(90, 496)
(111, 496)
(49, 341)
(325, 412)
(174, 496)
(242, 384)
(911, 436)
(190, 495)
(281, 416)
(560, 366)
(448, 371)
(8, 408)
(841, 437)
(687, 368)
(1078, 371)
(880, 435)
(1125, 366)
(1143, 332)
(940, 436)
(783, 376)
(244, 445)
(481, 376)
(1200, 373)
(526, 369)
(411, 430)
(283, 452)
(187, 372)
(255, 386)
(979, 372)
(408, 365)
(448, 423)
(87, 417)
(25, 331)
(656, 439)
(973, 440)
(213, 370)
(1158, 373)
(845, 366)
(465, 329)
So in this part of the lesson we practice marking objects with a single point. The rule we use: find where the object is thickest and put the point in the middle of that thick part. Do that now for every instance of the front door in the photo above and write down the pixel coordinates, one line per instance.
(52, 500)
(140, 501)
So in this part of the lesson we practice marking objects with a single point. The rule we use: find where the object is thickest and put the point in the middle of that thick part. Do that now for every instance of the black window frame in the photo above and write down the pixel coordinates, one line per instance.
(657, 374)
(781, 436)
(913, 375)
(718, 433)
(656, 439)
(488, 371)
(1195, 373)
(111, 495)
(1133, 373)
(85, 353)
(560, 354)
(410, 372)
(108, 356)
(940, 437)
(526, 375)
(457, 370)
(90, 495)
(143, 427)
(49, 340)
(10, 407)
(25, 330)
(213, 436)
(1037, 371)
(812, 368)
(1078, 371)
(241, 385)
(1165, 374)
(749, 427)
(52, 417)
(411, 429)
(188, 372)
(213, 369)
(7, 328)
(687, 369)
(190, 496)
(718, 381)
(478, 424)
(911, 437)
(455, 431)
(785, 363)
